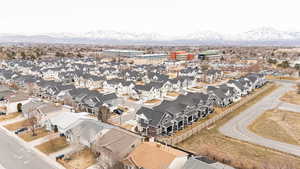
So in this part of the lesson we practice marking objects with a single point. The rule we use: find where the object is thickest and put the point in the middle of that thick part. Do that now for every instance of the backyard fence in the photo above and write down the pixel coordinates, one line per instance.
(172, 140)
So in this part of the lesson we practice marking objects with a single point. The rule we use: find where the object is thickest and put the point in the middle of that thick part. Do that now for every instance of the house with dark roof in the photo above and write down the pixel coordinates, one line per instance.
(171, 116)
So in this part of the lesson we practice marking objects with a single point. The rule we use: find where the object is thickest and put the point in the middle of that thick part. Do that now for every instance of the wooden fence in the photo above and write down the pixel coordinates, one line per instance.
(172, 140)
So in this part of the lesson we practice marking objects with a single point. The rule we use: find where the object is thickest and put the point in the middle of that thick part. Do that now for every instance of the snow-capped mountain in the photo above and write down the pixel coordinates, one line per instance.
(267, 34)
(260, 36)
(204, 36)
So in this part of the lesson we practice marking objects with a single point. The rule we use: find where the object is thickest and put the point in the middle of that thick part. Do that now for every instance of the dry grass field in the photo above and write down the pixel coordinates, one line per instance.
(291, 97)
(280, 125)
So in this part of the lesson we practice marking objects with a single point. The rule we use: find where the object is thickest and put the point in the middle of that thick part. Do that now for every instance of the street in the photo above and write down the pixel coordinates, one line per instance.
(14, 155)
(237, 127)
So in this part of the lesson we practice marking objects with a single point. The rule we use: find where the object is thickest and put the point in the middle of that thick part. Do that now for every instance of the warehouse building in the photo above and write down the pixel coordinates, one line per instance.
(122, 53)
(210, 55)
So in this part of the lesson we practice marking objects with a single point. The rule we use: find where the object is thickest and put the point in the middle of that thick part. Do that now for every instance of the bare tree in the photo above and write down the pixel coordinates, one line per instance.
(32, 122)
(104, 114)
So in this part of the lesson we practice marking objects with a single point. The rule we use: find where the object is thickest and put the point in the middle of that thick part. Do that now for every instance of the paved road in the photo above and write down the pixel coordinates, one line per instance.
(237, 127)
(13, 155)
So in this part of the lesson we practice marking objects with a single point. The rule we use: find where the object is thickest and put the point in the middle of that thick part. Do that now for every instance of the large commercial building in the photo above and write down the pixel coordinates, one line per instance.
(122, 53)
(181, 55)
(209, 55)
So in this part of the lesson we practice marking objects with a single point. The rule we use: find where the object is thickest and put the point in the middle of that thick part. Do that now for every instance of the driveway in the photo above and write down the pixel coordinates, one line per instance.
(237, 127)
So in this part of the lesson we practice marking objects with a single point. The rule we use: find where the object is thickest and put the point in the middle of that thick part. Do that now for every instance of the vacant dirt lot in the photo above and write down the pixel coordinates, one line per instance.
(278, 125)
(291, 97)
(53, 145)
(79, 160)
(234, 152)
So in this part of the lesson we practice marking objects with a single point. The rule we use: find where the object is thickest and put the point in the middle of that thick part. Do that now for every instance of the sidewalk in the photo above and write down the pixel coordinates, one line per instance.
(27, 146)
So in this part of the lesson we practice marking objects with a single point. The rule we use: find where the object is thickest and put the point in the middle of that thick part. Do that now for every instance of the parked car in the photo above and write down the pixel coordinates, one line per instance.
(118, 111)
(21, 130)
(60, 157)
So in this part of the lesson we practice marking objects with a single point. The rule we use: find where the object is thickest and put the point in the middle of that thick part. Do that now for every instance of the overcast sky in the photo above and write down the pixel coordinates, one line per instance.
(169, 17)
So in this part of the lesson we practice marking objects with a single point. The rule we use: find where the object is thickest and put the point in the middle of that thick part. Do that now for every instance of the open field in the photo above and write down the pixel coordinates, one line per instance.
(40, 132)
(9, 116)
(53, 145)
(280, 125)
(212, 143)
(291, 97)
(79, 160)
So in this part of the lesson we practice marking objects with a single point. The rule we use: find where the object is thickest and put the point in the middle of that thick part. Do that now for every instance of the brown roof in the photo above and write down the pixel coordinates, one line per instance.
(153, 155)
(118, 141)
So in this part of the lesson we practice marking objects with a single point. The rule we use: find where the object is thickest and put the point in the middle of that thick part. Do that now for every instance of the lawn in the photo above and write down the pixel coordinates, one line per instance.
(291, 97)
(234, 152)
(53, 145)
(40, 132)
(280, 125)
(17, 125)
(9, 116)
(80, 160)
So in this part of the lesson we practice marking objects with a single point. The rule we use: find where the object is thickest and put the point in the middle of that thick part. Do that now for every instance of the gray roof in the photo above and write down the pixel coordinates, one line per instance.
(154, 116)
(196, 163)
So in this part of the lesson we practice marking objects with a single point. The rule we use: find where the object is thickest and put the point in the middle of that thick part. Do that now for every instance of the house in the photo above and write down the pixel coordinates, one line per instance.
(13, 100)
(152, 155)
(87, 131)
(115, 145)
(150, 91)
(171, 116)
(65, 121)
(200, 162)
(221, 98)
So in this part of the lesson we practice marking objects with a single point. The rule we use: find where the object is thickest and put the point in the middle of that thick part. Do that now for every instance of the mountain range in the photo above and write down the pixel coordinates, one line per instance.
(259, 37)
